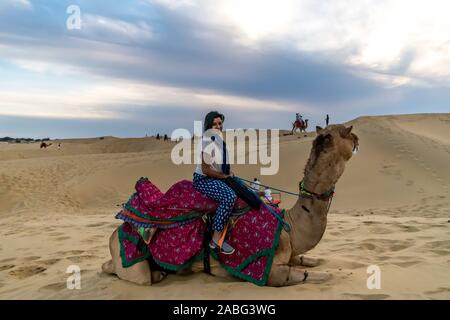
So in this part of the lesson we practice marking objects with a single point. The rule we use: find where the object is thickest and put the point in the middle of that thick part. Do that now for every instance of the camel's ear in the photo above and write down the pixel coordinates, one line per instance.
(346, 132)
(318, 129)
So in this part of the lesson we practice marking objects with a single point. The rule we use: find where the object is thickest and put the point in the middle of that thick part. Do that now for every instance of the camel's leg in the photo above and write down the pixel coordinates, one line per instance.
(157, 276)
(139, 273)
(285, 275)
(304, 261)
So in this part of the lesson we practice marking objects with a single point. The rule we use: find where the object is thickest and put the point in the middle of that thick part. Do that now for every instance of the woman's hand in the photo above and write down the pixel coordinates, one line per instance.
(231, 175)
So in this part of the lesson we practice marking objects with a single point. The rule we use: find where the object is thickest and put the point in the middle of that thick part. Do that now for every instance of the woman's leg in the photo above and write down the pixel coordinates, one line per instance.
(222, 193)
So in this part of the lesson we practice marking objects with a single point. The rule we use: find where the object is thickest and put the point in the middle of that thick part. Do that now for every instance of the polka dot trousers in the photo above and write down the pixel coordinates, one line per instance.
(219, 191)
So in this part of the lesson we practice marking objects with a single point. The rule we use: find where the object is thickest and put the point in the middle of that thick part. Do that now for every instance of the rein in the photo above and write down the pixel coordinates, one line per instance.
(304, 193)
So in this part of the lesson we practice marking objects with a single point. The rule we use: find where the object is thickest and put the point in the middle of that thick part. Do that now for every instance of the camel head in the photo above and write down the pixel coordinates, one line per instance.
(332, 148)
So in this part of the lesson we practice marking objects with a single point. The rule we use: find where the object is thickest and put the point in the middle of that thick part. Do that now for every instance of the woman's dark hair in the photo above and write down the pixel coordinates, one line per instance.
(209, 119)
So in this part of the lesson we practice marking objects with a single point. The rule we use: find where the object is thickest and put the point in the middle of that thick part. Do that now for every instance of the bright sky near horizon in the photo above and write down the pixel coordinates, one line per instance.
(140, 67)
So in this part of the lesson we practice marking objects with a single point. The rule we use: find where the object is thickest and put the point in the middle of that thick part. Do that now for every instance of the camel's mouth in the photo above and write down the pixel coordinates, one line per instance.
(355, 144)
(355, 149)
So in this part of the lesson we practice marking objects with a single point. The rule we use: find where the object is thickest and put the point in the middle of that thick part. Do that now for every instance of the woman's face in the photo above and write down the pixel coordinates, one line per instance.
(217, 124)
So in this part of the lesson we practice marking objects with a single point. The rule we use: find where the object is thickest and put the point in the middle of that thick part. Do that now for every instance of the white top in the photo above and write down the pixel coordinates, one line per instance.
(215, 151)
(256, 185)
(268, 194)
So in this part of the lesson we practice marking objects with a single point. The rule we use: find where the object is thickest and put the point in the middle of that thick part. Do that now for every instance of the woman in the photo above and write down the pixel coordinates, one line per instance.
(209, 176)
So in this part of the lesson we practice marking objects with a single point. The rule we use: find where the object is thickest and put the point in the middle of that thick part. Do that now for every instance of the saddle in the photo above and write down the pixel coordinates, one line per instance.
(299, 123)
(172, 224)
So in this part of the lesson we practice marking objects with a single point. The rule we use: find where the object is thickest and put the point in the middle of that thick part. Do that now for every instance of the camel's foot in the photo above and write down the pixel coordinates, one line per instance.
(108, 267)
(285, 275)
(305, 261)
(317, 277)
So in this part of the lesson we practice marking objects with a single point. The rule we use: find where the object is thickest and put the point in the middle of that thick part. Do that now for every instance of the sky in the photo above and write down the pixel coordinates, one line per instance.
(150, 66)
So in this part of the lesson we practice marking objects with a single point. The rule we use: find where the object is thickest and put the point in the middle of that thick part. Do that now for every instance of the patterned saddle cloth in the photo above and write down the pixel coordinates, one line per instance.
(179, 218)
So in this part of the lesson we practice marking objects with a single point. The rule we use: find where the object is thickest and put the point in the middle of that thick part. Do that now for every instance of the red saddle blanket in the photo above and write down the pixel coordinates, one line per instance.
(179, 215)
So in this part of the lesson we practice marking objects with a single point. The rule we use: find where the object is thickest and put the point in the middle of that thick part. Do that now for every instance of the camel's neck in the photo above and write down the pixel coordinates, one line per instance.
(308, 217)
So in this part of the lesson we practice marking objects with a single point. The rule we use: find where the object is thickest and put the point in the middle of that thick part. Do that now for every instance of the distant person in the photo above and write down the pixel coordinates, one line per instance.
(299, 118)
(158, 137)
(327, 120)
(268, 194)
(256, 184)
(166, 138)
(59, 146)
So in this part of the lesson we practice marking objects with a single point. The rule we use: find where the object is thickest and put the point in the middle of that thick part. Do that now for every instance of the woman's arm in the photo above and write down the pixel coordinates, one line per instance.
(208, 170)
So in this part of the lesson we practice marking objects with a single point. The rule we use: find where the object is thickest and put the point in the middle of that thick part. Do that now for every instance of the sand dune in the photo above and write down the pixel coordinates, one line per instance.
(391, 209)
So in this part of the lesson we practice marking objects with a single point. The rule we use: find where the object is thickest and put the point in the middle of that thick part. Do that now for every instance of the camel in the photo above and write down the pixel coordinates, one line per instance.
(45, 146)
(331, 150)
(299, 125)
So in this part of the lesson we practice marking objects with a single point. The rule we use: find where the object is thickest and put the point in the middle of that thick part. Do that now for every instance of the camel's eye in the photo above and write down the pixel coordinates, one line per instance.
(322, 142)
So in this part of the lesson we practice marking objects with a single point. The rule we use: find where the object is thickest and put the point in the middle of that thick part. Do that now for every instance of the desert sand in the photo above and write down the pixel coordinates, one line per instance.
(391, 209)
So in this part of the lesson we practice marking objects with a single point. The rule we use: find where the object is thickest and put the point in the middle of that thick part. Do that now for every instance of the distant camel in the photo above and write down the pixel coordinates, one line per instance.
(302, 125)
(45, 146)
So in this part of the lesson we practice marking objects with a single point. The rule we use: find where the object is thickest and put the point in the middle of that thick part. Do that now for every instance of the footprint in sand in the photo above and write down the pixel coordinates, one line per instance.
(6, 267)
(439, 290)
(368, 296)
(31, 258)
(379, 230)
(94, 225)
(70, 252)
(93, 238)
(368, 246)
(399, 247)
(62, 238)
(406, 228)
(405, 264)
(57, 286)
(56, 234)
(445, 244)
(78, 259)
(49, 262)
(28, 271)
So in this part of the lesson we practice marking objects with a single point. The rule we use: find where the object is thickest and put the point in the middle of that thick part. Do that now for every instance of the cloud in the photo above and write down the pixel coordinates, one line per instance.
(186, 54)
(172, 4)
(135, 58)
(23, 4)
(101, 27)
(374, 34)
(107, 101)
